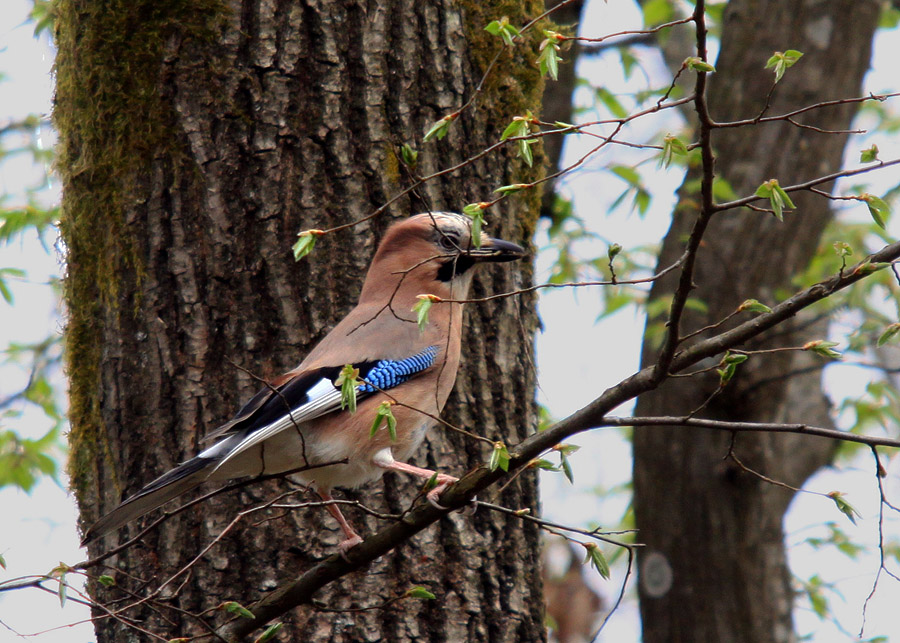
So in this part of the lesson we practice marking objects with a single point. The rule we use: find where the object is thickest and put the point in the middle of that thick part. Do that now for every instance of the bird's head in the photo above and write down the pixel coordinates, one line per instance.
(434, 253)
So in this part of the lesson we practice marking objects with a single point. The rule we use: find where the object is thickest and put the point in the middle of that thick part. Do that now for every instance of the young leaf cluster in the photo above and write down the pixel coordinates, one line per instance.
(782, 61)
(778, 198)
(520, 128)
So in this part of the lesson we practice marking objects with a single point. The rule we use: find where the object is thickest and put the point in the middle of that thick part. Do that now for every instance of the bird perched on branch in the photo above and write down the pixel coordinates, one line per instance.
(394, 365)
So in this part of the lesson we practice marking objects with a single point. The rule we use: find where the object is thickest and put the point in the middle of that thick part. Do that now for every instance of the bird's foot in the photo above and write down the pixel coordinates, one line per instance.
(346, 545)
(443, 481)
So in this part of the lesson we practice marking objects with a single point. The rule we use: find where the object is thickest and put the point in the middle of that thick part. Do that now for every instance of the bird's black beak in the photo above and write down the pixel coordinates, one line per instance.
(496, 250)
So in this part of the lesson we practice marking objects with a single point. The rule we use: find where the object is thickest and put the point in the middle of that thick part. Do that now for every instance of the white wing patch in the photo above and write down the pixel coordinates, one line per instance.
(323, 398)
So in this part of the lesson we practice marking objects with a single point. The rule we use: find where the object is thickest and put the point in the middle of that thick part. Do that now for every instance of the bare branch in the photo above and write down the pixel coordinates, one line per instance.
(721, 207)
(755, 427)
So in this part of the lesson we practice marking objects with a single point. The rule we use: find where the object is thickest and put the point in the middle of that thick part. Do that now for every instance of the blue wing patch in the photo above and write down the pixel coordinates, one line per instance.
(388, 373)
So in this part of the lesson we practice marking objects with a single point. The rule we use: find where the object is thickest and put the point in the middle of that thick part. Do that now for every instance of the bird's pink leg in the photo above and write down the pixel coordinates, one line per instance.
(443, 480)
(351, 538)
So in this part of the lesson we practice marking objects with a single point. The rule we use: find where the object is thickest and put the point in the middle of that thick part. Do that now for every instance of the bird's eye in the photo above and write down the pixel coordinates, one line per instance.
(449, 242)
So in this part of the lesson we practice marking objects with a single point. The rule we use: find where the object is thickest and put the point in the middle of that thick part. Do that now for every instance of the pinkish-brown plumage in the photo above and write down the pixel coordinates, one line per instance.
(430, 253)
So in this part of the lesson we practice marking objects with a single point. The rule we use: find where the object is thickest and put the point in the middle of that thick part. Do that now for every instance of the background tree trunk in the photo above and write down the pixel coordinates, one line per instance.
(196, 140)
(557, 101)
(714, 568)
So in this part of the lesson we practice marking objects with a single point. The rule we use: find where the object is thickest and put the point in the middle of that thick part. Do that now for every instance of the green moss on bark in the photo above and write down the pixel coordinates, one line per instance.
(112, 118)
(514, 86)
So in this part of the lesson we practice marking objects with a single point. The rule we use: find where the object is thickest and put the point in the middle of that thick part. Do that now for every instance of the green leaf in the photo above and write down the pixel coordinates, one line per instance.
(613, 251)
(609, 100)
(642, 201)
(729, 366)
(889, 333)
(725, 374)
(385, 414)
(477, 216)
(869, 267)
(440, 128)
(816, 597)
(475, 211)
(696, 64)
(516, 127)
(869, 155)
(494, 28)
(9, 272)
(842, 249)
(106, 580)
(421, 309)
(524, 149)
(511, 189)
(778, 198)
(781, 61)
(566, 467)
(2, 561)
(5, 292)
(499, 457)
(783, 197)
(566, 449)
(753, 306)
(548, 60)
(596, 558)
(845, 507)
(233, 607)
(270, 632)
(672, 146)
(734, 358)
(627, 174)
(431, 483)
(723, 191)
(61, 592)
(503, 29)
(890, 17)
(656, 12)
(715, 12)
(348, 380)
(20, 458)
(878, 208)
(472, 209)
(306, 243)
(419, 592)
(43, 14)
(823, 348)
(565, 126)
(629, 61)
(409, 156)
(541, 463)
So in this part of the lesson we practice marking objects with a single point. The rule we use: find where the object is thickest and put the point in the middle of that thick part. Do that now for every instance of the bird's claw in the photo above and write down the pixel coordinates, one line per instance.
(443, 481)
(346, 545)
(432, 497)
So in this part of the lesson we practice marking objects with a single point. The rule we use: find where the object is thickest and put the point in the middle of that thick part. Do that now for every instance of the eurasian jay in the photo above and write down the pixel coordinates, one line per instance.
(297, 420)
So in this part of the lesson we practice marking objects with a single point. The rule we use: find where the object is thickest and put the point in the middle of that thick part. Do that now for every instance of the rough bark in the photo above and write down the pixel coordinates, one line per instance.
(714, 568)
(196, 140)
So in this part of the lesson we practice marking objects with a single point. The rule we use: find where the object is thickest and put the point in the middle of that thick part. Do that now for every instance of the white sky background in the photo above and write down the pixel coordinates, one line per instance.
(38, 529)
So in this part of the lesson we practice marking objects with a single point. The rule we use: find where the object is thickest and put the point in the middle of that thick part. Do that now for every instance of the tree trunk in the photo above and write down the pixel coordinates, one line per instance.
(714, 568)
(557, 100)
(196, 140)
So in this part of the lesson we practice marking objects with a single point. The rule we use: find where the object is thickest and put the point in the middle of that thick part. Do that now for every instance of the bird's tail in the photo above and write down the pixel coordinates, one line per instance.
(170, 485)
